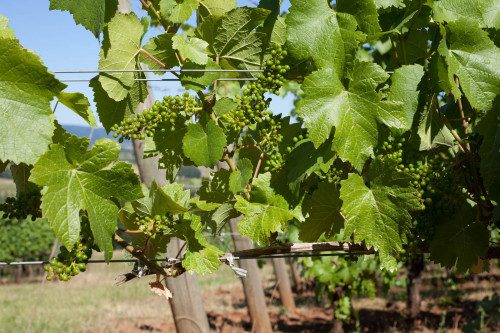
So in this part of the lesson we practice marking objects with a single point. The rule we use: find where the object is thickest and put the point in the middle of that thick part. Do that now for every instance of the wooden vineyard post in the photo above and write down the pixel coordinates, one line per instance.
(186, 304)
(295, 273)
(283, 281)
(252, 285)
(415, 267)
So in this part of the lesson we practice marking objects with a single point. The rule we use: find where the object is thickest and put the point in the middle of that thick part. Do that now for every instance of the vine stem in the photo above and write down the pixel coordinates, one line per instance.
(180, 250)
(453, 132)
(150, 56)
(132, 232)
(55, 107)
(139, 255)
(230, 162)
(259, 164)
(157, 61)
(148, 5)
(465, 123)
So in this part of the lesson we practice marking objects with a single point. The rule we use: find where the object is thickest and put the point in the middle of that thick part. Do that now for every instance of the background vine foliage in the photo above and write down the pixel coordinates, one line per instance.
(394, 141)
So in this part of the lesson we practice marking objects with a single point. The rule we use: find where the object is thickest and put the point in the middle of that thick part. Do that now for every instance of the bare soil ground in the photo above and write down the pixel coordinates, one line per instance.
(93, 303)
(227, 313)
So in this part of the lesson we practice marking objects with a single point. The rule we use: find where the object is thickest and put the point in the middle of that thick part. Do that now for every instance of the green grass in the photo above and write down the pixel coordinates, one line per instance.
(89, 302)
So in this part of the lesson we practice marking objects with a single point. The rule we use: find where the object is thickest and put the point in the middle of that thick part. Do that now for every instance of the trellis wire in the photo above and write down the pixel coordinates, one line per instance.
(171, 80)
(113, 261)
(188, 70)
(194, 70)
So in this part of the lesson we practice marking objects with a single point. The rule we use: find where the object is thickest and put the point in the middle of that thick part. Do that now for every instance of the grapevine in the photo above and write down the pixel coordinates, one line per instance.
(162, 116)
(24, 205)
(70, 263)
(390, 144)
(157, 225)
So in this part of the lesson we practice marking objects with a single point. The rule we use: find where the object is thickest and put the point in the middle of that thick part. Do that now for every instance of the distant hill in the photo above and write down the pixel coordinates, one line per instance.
(127, 153)
(96, 133)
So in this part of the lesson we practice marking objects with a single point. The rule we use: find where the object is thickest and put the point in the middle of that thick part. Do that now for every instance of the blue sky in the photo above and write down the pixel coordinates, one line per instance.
(63, 45)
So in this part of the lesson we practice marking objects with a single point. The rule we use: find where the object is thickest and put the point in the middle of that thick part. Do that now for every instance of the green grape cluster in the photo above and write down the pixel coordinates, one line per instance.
(253, 107)
(393, 149)
(156, 225)
(253, 110)
(338, 171)
(162, 116)
(26, 204)
(297, 139)
(273, 76)
(435, 177)
(269, 135)
(71, 263)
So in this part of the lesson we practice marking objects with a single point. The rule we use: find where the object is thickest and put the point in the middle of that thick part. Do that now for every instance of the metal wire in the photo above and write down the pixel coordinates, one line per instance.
(271, 256)
(194, 70)
(170, 80)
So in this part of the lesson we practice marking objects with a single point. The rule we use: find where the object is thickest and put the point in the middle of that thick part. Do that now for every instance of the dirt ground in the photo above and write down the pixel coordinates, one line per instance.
(92, 303)
(227, 312)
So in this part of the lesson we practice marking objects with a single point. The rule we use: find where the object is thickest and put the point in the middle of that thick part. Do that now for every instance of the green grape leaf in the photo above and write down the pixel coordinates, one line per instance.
(274, 27)
(21, 174)
(160, 48)
(460, 241)
(92, 14)
(304, 160)
(178, 11)
(389, 3)
(484, 13)
(222, 107)
(112, 112)
(262, 219)
(199, 80)
(5, 31)
(172, 198)
(168, 147)
(217, 188)
(152, 246)
(413, 47)
(122, 42)
(215, 7)
(192, 48)
(315, 31)
(236, 40)
(379, 213)
(240, 178)
(473, 57)
(267, 213)
(87, 182)
(201, 257)
(279, 32)
(222, 215)
(203, 205)
(144, 205)
(431, 130)
(262, 191)
(404, 88)
(26, 89)
(324, 215)
(354, 113)
(204, 145)
(204, 261)
(78, 103)
(489, 151)
(365, 13)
